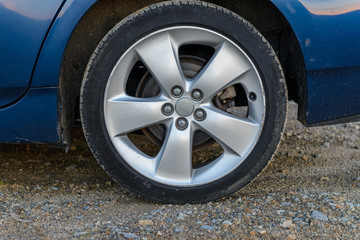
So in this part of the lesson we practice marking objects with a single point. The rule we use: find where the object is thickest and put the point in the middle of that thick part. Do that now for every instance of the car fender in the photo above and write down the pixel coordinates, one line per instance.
(52, 52)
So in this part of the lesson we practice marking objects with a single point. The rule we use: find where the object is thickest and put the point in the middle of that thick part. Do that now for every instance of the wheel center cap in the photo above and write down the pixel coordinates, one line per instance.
(184, 107)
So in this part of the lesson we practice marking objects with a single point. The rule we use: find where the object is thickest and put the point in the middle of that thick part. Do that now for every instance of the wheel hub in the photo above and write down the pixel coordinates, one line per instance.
(184, 107)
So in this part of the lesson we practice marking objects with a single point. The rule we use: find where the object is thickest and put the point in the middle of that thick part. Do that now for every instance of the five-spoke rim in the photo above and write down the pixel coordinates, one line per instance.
(184, 106)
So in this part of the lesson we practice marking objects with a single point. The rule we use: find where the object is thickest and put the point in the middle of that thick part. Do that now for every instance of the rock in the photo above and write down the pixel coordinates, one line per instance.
(130, 236)
(78, 234)
(287, 224)
(347, 219)
(145, 222)
(300, 221)
(71, 168)
(157, 211)
(326, 144)
(53, 189)
(227, 223)
(181, 216)
(319, 216)
(178, 230)
(208, 228)
(291, 237)
(253, 233)
(262, 232)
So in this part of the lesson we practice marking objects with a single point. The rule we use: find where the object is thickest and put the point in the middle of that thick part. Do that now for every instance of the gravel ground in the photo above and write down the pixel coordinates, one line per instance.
(310, 191)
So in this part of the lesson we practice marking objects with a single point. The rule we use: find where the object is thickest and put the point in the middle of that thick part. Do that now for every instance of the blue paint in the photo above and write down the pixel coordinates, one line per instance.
(48, 74)
(328, 32)
(32, 119)
(23, 26)
(333, 93)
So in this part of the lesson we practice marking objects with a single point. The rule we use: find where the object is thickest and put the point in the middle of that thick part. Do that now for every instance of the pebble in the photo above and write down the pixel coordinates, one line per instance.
(253, 233)
(208, 228)
(262, 232)
(291, 237)
(178, 230)
(71, 168)
(130, 236)
(78, 234)
(347, 219)
(53, 189)
(287, 224)
(319, 216)
(146, 222)
(227, 223)
(181, 216)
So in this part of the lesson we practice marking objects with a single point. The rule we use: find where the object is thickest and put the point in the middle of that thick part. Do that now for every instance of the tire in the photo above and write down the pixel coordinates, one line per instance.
(183, 102)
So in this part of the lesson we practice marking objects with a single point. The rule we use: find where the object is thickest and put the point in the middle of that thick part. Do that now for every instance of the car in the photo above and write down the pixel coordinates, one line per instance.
(180, 101)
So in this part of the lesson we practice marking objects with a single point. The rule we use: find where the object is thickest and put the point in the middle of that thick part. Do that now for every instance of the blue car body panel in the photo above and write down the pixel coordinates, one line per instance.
(23, 27)
(32, 119)
(329, 35)
(48, 74)
(327, 31)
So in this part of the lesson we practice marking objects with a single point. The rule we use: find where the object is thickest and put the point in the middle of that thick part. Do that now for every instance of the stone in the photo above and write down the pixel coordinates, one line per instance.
(253, 233)
(262, 232)
(291, 237)
(208, 228)
(227, 223)
(319, 216)
(130, 236)
(145, 222)
(181, 216)
(178, 230)
(71, 168)
(287, 224)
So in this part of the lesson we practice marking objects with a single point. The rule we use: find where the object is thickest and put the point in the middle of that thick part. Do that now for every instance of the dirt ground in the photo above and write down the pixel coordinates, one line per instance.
(311, 190)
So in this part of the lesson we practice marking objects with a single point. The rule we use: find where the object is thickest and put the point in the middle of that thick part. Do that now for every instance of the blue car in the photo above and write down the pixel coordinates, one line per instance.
(180, 101)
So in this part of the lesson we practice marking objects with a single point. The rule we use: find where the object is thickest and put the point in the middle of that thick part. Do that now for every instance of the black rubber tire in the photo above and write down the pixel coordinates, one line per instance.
(155, 17)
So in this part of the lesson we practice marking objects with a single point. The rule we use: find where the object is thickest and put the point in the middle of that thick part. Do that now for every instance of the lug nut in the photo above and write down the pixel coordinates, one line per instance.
(167, 109)
(199, 114)
(252, 96)
(197, 95)
(181, 123)
(177, 91)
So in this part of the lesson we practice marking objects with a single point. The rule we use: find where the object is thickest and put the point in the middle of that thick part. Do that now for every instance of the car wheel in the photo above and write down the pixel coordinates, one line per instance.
(183, 102)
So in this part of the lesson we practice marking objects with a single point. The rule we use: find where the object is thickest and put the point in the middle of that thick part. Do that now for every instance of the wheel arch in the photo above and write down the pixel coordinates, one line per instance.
(104, 14)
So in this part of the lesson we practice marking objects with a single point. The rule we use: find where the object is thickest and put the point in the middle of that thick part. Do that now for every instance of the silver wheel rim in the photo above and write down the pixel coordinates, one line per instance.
(228, 66)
